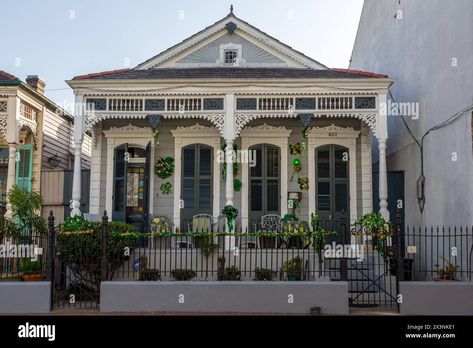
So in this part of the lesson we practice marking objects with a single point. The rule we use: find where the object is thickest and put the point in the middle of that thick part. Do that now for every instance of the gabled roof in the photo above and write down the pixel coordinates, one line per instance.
(220, 26)
(226, 73)
(6, 78)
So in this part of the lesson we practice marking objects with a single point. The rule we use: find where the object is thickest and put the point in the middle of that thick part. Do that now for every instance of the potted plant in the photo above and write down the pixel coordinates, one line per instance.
(447, 273)
(378, 228)
(183, 274)
(264, 274)
(31, 270)
(293, 268)
(145, 272)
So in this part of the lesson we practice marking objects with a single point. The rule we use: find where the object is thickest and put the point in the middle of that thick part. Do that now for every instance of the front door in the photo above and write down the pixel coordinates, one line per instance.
(332, 187)
(196, 183)
(264, 184)
(3, 179)
(131, 186)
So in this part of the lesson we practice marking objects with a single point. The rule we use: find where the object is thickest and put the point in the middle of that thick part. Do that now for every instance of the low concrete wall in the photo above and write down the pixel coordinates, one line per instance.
(25, 297)
(224, 296)
(437, 298)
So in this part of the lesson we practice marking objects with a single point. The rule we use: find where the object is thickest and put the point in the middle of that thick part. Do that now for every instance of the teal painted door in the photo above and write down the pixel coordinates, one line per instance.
(24, 167)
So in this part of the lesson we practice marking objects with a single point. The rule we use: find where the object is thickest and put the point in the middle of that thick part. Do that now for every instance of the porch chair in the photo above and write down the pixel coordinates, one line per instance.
(271, 223)
(158, 224)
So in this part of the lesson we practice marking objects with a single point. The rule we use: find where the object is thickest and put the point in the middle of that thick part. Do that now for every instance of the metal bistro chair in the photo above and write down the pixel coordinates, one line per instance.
(271, 223)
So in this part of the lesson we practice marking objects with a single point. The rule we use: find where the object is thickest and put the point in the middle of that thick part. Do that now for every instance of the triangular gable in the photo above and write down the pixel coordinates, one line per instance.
(204, 49)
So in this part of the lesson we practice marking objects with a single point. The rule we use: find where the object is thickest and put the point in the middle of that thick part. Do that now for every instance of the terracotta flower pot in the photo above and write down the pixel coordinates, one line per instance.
(32, 277)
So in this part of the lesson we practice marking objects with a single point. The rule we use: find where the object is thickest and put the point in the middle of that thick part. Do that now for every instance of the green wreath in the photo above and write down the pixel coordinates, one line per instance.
(231, 213)
(166, 188)
(237, 185)
(164, 167)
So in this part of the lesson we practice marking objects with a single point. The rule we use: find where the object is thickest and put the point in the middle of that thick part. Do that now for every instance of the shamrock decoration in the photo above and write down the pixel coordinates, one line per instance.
(166, 188)
(296, 166)
(303, 183)
(295, 149)
(164, 167)
(237, 185)
(231, 213)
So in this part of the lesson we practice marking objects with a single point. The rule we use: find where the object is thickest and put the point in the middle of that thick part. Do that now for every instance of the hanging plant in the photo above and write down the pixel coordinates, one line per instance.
(224, 170)
(231, 213)
(166, 188)
(295, 149)
(164, 167)
(303, 183)
(237, 185)
(296, 167)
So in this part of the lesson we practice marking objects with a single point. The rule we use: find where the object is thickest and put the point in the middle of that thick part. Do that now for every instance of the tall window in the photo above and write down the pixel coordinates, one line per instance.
(3, 179)
(230, 56)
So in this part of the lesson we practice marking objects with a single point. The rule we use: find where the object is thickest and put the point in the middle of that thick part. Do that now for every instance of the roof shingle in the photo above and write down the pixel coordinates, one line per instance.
(4, 76)
(226, 73)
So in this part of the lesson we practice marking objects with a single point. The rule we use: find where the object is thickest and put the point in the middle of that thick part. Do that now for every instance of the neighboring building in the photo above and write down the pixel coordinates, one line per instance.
(35, 138)
(230, 84)
(427, 47)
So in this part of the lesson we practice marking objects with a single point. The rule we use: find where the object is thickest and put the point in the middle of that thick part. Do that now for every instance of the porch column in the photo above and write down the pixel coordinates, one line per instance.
(11, 178)
(78, 137)
(229, 192)
(383, 179)
(229, 136)
(382, 135)
(13, 111)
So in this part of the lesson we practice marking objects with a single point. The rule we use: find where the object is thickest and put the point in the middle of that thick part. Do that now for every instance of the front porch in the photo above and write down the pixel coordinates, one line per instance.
(290, 158)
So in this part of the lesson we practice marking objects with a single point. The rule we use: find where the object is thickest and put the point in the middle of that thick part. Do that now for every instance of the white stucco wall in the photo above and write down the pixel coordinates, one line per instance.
(418, 51)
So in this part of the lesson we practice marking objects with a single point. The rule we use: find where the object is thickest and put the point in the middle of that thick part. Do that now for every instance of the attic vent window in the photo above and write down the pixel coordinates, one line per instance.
(231, 56)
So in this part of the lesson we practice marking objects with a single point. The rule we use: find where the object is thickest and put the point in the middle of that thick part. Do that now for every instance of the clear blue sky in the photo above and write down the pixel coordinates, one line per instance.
(58, 39)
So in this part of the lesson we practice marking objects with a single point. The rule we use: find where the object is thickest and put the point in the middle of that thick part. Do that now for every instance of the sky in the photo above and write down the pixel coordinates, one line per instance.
(59, 39)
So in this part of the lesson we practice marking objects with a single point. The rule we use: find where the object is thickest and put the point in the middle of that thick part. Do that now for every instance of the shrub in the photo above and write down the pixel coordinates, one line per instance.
(183, 274)
(79, 246)
(25, 208)
(293, 268)
(231, 273)
(264, 274)
(29, 266)
(150, 274)
(7, 227)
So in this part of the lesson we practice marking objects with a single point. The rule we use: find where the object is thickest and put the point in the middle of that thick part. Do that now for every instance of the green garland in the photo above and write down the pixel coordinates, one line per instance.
(224, 170)
(231, 213)
(166, 188)
(164, 167)
(237, 185)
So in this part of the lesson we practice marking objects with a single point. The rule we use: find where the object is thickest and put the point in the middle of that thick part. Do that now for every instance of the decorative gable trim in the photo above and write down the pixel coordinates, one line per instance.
(219, 29)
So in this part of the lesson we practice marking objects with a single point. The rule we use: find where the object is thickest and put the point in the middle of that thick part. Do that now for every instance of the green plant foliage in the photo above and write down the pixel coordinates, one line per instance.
(264, 274)
(293, 268)
(207, 246)
(25, 209)
(79, 246)
(183, 274)
(29, 266)
(319, 236)
(150, 274)
(449, 270)
(231, 273)
(375, 225)
(7, 227)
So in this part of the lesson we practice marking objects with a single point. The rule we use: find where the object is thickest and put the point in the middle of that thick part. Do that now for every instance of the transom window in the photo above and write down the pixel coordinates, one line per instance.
(230, 56)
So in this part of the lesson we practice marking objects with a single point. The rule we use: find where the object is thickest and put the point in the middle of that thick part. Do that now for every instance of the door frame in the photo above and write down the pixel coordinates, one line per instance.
(195, 134)
(133, 136)
(333, 135)
(264, 134)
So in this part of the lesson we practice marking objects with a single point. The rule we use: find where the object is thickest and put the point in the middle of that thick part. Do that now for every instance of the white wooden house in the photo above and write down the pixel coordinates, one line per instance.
(236, 85)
